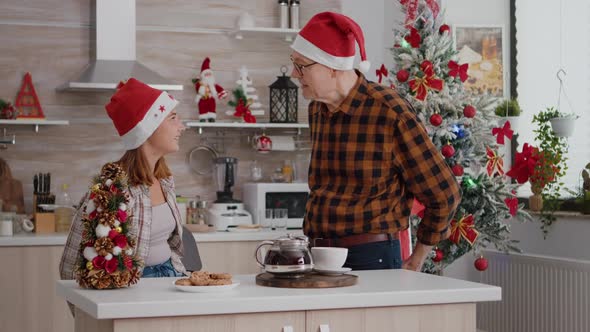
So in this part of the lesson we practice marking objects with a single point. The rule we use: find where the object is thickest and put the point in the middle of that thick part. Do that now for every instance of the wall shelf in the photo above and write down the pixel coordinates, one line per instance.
(287, 34)
(35, 122)
(225, 125)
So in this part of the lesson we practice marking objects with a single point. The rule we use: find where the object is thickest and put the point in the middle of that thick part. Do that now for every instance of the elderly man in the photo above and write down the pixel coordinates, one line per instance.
(371, 155)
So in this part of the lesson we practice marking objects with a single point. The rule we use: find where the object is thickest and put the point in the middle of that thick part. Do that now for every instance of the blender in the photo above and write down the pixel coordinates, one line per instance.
(227, 211)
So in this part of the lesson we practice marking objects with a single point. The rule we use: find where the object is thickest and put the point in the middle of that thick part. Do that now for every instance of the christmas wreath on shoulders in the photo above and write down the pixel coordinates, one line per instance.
(107, 250)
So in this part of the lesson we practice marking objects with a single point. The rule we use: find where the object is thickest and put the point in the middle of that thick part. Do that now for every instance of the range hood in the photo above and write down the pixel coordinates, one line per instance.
(114, 58)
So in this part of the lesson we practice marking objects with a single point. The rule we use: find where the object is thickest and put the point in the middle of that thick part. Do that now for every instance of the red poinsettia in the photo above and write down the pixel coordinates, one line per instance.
(524, 163)
(413, 38)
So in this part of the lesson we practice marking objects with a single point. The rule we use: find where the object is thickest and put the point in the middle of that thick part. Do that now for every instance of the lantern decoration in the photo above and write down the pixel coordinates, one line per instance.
(283, 99)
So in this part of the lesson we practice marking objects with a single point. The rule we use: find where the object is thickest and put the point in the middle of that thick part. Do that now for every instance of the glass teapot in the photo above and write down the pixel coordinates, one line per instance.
(288, 256)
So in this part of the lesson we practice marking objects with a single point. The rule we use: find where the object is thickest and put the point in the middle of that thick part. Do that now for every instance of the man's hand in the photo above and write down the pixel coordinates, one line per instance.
(416, 260)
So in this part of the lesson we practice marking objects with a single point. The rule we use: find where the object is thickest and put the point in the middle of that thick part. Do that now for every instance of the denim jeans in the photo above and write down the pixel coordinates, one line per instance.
(375, 256)
(160, 271)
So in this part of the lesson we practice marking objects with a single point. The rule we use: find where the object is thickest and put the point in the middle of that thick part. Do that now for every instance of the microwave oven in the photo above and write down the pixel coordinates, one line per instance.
(258, 197)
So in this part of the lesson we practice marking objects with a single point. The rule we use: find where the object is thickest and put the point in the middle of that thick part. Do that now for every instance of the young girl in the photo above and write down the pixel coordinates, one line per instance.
(150, 129)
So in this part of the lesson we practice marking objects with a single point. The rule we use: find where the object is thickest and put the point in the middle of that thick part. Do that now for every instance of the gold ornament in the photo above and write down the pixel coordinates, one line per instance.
(89, 265)
(119, 229)
(96, 187)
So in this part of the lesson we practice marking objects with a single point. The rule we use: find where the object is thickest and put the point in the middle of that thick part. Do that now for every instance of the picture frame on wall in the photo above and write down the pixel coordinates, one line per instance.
(485, 49)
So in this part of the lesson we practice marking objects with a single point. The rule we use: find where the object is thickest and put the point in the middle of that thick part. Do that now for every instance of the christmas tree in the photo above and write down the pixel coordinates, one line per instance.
(462, 126)
(246, 84)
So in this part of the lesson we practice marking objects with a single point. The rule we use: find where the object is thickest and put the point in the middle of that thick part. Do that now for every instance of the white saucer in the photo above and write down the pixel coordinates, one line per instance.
(333, 272)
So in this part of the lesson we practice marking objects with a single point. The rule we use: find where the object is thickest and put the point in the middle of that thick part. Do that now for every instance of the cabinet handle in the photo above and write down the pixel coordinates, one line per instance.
(324, 328)
(287, 328)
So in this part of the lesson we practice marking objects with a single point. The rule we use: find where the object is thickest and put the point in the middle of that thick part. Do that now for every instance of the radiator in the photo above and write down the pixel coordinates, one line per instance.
(539, 294)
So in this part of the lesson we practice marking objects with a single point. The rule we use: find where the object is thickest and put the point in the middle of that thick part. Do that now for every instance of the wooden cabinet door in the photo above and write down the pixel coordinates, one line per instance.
(426, 318)
(256, 322)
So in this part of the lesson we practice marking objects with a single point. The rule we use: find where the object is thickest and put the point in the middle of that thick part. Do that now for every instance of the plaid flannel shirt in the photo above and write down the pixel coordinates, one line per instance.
(141, 209)
(370, 158)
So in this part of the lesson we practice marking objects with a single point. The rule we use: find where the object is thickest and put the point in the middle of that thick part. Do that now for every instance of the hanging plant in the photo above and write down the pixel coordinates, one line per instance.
(554, 149)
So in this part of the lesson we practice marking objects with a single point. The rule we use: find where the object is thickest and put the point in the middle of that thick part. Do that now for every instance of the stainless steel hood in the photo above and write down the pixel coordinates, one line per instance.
(114, 58)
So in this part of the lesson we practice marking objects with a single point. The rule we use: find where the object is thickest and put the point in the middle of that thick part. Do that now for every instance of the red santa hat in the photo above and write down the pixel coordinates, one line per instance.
(137, 110)
(329, 38)
(206, 65)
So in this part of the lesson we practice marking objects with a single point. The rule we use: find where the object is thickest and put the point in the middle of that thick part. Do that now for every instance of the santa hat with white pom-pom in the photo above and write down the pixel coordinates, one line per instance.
(329, 38)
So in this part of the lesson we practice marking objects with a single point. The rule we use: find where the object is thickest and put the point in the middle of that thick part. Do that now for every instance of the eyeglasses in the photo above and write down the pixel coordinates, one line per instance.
(300, 67)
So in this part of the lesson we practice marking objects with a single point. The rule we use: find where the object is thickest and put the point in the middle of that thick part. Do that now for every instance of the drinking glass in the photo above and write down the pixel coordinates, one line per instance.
(266, 220)
(280, 219)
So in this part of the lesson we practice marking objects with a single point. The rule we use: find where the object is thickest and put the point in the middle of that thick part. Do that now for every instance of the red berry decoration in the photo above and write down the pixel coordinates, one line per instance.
(436, 120)
(481, 264)
(469, 111)
(444, 28)
(402, 75)
(448, 151)
(438, 255)
(457, 170)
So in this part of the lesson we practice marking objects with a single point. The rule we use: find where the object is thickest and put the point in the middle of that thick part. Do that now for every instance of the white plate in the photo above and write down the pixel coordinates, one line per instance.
(333, 272)
(206, 289)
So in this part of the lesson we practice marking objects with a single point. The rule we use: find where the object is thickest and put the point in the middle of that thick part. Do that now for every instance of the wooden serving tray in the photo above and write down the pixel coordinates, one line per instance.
(310, 280)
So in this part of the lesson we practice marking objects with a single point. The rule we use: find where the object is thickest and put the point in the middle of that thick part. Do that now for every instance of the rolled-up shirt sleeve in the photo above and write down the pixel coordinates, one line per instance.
(427, 177)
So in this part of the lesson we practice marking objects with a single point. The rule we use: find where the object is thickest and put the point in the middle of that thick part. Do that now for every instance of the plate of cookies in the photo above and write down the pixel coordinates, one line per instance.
(206, 282)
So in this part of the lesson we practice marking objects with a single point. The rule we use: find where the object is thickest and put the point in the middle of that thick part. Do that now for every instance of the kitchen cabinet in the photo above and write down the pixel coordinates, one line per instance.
(442, 318)
(293, 321)
(28, 301)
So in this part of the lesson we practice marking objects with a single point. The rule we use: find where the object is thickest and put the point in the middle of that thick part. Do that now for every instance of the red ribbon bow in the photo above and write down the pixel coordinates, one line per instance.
(381, 72)
(412, 9)
(512, 204)
(458, 70)
(464, 228)
(495, 162)
(421, 85)
(501, 132)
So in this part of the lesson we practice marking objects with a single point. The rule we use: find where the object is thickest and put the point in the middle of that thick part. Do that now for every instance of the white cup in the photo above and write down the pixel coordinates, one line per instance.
(328, 258)
(6, 228)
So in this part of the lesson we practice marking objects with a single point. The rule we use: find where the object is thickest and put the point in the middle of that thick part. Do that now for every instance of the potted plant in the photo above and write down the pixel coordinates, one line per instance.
(553, 152)
(509, 110)
(561, 123)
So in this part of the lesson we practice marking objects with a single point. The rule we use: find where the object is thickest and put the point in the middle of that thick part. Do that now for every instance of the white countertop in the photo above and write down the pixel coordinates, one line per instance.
(159, 298)
(59, 239)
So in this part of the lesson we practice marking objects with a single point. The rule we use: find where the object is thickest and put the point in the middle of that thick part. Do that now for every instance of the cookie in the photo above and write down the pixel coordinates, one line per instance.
(220, 276)
(199, 278)
(183, 282)
(219, 282)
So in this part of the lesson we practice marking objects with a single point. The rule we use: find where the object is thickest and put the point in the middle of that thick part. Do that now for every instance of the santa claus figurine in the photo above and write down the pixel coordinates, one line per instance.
(207, 93)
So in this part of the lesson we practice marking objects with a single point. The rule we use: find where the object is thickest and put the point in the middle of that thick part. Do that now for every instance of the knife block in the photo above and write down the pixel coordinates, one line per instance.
(44, 221)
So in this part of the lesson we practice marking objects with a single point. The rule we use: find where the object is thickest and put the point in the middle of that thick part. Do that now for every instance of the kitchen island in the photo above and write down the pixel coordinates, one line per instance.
(382, 300)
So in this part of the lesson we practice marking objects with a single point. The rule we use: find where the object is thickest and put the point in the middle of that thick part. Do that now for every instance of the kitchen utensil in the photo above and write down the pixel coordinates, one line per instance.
(200, 159)
(287, 257)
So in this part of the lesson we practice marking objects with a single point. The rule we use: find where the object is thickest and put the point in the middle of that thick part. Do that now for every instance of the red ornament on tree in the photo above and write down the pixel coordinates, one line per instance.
(444, 28)
(457, 170)
(448, 151)
(413, 38)
(438, 255)
(402, 75)
(481, 264)
(436, 120)
(469, 111)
